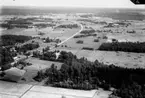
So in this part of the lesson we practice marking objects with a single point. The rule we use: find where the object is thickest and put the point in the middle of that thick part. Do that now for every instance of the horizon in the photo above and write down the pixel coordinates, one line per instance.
(63, 7)
(122, 4)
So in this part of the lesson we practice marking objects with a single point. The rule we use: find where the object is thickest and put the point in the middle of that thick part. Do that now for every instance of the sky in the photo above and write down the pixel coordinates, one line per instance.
(72, 3)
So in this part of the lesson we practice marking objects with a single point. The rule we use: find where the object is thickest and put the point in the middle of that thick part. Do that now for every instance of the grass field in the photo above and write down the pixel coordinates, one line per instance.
(37, 65)
(123, 59)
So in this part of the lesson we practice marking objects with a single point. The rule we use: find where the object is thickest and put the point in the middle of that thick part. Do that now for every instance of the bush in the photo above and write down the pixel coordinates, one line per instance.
(105, 37)
(131, 31)
(87, 48)
(80, 42)
(5, 67)
(96, 40)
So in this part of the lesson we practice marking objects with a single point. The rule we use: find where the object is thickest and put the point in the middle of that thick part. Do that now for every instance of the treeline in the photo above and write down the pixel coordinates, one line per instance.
(92, 21)
(68, 26)
(6, 40)
(24, 48)
(137, 47)
(86, 35)
(82, 74)
(122, 23)
(19, 23)
(117, 24)
(25, 23)
(48, 40)
(88, 48)
(100, 31)
(87, 32)
(43, 25)
(50, 55)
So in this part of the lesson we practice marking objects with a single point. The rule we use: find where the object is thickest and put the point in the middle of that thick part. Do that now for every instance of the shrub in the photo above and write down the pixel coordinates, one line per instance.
(87, 48)
(105, 37)
(80, 42)
(96, 40)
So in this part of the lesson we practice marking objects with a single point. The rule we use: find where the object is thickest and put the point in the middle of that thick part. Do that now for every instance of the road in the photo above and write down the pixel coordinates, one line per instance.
(52, 47)
(70, 36)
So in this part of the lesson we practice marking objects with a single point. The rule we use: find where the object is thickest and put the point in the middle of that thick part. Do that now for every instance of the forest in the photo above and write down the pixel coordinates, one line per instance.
(82, 74)
(6, 40)
(137, 47)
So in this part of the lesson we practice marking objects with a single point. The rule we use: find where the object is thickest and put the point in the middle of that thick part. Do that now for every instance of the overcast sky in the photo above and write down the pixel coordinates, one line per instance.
(72, 3)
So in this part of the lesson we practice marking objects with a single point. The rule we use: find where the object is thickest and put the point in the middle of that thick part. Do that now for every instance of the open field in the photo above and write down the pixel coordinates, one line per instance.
(123, 59)
(41, 64)
(37, 65)
(48, 32)
(14, 90)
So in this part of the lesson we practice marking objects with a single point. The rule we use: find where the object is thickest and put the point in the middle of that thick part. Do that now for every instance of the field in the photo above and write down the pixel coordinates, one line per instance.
(63, 28)
(120, 30)
(29, 91)
(123, 59)
(114, 38)
(37, 65)
(124, 31)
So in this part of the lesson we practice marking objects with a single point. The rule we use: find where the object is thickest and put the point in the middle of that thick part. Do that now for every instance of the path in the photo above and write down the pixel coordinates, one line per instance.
(70, 36)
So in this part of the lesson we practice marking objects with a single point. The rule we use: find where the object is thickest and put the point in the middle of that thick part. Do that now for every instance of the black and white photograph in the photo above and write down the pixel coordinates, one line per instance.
(72, 49)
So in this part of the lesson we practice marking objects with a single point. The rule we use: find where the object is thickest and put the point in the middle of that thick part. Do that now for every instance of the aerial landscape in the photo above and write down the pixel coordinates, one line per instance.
(51, 52)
